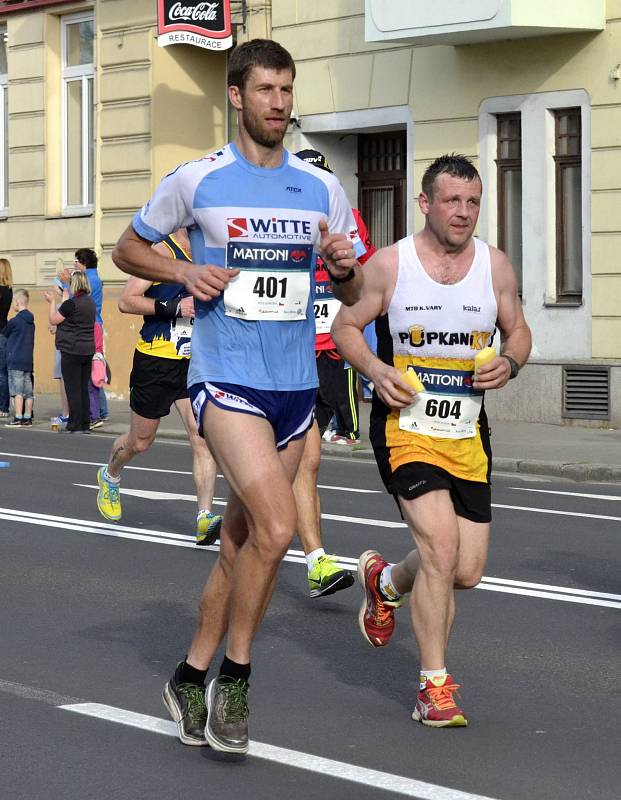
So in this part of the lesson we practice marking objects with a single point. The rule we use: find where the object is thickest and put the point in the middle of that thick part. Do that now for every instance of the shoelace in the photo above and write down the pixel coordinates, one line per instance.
(195, 695)
(112, 494)
(236, 707)
(442, 696)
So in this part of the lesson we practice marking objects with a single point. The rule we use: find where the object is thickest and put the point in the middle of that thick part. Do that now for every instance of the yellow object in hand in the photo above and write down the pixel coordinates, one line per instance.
(484, 357)
(410, 376)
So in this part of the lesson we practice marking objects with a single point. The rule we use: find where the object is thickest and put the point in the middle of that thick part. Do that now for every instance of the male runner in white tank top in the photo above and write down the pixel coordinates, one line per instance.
(438, 298)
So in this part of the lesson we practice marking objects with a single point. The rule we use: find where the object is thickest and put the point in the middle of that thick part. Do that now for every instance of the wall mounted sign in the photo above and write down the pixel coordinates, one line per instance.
(203, 24)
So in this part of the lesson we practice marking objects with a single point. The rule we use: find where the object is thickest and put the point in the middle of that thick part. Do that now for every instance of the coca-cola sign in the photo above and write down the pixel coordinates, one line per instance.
(203, 24)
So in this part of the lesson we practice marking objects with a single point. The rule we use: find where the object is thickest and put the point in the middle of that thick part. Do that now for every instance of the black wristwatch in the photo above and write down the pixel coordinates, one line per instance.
(515, 367)
(349, 277)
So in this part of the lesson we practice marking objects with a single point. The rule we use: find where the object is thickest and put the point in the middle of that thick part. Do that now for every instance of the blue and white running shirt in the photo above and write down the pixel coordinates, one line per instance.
(261, 331)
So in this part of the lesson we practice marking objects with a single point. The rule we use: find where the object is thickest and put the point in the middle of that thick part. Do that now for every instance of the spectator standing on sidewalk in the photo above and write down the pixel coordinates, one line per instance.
(6, 298)
(75, 325)
(19, 334)
(86, 259)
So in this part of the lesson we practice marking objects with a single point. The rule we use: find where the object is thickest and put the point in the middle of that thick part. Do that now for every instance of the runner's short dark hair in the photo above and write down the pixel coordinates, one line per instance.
(455, 165)
(257, 53)
(87, 257)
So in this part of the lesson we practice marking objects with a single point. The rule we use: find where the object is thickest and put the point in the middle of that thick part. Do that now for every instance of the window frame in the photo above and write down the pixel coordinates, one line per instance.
(503, 166)
(561, 163)
(548, 315)
(83, 73)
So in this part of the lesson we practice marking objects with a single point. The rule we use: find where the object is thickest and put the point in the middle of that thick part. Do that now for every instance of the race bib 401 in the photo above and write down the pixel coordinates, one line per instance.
(273, 282)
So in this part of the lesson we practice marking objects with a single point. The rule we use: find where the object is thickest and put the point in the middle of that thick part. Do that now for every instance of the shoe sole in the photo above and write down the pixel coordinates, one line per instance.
(342, 580)
(212, 535)
(362, 561)
(170, 701)
(458, 721)
(101, 511)
(212, 740)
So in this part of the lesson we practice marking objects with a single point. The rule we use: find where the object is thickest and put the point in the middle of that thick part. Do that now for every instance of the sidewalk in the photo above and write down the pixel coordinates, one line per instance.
(582, 454)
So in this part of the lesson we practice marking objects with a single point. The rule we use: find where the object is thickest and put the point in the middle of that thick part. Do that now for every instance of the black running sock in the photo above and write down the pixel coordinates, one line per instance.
(186, 673)
(239, 672)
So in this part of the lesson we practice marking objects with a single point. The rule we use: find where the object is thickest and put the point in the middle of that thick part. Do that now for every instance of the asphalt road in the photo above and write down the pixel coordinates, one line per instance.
(95, 616)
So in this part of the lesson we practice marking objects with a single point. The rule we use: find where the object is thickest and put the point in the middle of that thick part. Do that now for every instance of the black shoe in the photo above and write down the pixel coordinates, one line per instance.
(26, 422)
(227, 715)
(14, 423)
(186, 705)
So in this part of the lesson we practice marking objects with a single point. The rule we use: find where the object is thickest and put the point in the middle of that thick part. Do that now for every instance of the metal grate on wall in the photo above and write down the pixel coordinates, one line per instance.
(586, 392)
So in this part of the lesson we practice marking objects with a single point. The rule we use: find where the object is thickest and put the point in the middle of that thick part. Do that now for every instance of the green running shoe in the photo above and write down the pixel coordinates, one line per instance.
(208, 527)
(326, 577)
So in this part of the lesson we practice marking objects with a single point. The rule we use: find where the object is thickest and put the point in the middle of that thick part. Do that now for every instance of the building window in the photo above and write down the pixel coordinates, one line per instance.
(78, 112)
(509, 190)
(4, 125)
(568, 162)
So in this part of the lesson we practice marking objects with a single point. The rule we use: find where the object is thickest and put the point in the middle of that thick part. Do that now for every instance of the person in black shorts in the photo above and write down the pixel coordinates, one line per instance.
(440, 299)
(158, 381)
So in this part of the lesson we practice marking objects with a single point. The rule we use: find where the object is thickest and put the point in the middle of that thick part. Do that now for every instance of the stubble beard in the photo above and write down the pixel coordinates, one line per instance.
(259, 134)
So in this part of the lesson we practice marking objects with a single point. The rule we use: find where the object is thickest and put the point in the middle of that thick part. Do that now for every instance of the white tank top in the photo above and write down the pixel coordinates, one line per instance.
(435, 320)
(437, 329)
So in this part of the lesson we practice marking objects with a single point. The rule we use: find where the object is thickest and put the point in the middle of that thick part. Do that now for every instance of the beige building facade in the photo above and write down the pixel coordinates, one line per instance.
(93, 113)
(531, 92)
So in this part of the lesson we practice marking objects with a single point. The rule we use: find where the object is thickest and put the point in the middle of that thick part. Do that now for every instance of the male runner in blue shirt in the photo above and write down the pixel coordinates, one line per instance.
(255, 215)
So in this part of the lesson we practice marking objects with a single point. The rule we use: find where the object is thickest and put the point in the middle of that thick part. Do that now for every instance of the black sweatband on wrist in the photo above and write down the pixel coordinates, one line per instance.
(166, 309)
(349, 277)
(515, 367)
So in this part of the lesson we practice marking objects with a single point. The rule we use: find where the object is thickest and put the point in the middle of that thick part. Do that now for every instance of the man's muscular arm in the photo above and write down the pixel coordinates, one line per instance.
(515, 331)
(134, 255)
(350, 321)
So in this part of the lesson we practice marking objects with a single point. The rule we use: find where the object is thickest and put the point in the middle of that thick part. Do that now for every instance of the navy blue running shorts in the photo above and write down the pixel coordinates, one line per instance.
(289, 413)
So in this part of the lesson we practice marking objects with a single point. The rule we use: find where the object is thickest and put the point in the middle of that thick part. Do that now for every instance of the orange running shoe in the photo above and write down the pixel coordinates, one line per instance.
(377, 615)
(436, 706)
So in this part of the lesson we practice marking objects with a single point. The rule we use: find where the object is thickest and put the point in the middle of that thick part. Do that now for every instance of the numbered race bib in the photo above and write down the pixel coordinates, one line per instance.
(273, 283)
(181, 335)
(325, 311)
(448, 408)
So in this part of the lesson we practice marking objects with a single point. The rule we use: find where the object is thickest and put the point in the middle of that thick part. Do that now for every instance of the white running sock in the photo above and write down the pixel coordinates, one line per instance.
(386, 586)
(111, 478)
(312, 557)
(437, 676)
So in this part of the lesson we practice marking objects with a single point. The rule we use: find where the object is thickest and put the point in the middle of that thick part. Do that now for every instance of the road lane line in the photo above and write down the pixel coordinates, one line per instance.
(568, 494)
(148, 494)
(174, 472)
(507, 586)
(379, 523)
(395, 784)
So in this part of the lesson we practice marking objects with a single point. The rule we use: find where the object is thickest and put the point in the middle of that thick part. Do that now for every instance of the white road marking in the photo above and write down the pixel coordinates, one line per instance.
(148, 494)
(174, 472)
(395, 784)
(505, 585)
(567, 494)
(559, 513)
(380, 523)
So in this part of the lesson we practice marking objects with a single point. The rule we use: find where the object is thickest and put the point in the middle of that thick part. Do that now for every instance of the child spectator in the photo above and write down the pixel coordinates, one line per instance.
(19, 333)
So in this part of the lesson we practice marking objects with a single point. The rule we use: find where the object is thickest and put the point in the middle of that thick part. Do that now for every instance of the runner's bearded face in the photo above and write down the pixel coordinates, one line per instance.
(267, 102)
(453, 210)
